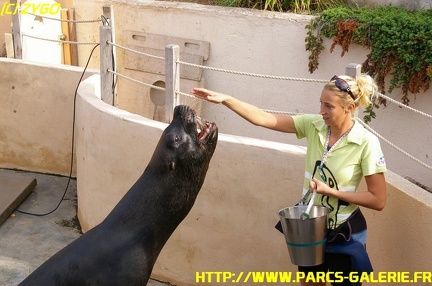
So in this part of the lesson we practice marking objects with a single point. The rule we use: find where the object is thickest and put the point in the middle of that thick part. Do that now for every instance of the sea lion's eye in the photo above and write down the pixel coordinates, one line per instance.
(176, 139)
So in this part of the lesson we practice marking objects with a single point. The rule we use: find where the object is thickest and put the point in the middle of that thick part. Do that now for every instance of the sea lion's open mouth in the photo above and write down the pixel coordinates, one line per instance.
(204, 130)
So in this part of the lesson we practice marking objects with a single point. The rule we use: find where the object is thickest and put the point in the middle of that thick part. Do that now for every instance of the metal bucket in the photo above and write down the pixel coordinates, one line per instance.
(305, 238)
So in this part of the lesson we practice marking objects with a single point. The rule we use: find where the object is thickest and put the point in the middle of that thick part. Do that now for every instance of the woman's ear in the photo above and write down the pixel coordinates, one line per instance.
(350, 108)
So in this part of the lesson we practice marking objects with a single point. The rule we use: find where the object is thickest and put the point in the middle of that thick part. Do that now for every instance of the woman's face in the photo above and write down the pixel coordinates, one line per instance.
(331, 110)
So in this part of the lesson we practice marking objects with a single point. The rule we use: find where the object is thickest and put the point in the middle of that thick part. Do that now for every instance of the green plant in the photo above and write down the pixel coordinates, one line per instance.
(296, 6)
(400, 44)
(313, 6)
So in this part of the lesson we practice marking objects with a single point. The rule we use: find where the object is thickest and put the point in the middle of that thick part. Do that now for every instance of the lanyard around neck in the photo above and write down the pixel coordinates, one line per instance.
(327, 151)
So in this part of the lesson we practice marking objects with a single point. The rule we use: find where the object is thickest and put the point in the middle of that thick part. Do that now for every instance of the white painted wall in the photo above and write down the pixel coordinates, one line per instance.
(37, 50)
(36, 115)
(259, 42)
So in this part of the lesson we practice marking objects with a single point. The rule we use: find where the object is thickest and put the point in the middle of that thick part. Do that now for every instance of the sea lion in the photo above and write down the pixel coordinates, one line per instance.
(123, 248)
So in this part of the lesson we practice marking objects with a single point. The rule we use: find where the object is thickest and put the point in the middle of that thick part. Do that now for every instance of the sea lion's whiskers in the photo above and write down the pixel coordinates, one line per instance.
(208, 107)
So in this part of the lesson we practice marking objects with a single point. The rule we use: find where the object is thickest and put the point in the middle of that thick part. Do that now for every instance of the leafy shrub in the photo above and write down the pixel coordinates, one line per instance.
(400, 43)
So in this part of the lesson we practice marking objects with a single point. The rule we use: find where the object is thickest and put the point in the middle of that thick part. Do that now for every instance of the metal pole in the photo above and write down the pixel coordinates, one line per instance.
(172, 78)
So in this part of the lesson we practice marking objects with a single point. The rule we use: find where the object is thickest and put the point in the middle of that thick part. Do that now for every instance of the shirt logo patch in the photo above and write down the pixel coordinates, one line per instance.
(381, 162)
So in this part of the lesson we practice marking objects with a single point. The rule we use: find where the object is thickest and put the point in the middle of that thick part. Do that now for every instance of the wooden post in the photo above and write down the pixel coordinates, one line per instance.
(9, 45)
(106, 62)
(107, 12)
(16, 32)
(73, 37)
(66, 49)
(172, 78)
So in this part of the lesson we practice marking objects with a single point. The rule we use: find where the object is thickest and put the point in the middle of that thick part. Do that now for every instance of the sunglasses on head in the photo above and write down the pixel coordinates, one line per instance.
(342, 85)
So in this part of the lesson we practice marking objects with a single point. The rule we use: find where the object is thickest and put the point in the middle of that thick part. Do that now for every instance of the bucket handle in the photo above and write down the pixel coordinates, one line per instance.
(303, 201)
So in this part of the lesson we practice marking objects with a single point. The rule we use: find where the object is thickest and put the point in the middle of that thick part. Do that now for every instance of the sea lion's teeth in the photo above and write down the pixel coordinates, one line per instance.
(198, 130)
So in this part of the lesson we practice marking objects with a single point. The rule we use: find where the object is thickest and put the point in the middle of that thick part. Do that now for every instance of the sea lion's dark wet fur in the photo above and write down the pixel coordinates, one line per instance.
(123, 248)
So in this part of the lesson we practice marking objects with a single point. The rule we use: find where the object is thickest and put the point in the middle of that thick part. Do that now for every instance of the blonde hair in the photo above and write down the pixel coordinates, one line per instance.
(363, 89)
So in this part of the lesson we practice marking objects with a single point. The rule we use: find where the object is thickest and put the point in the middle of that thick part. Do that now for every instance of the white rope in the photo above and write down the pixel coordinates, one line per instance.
(60, 41)
(297, 79)
(134, 51)
(185, 94)
(281, 112)
(392, 145)
(68, 21)
(136, 81)
(405, 106)
(253, 74)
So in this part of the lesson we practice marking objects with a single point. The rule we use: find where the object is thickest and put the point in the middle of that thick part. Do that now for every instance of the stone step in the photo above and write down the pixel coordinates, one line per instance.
(13, 191)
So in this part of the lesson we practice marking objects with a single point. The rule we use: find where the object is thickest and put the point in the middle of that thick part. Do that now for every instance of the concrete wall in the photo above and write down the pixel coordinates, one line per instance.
(36, 112)
(259, 42)
(231, 226)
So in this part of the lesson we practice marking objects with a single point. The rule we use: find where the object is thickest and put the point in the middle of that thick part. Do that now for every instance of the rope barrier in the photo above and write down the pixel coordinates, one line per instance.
(59, 41)
(281, 112)
(392, 145)
(134, 51)
(299, 79)
(405, 106)
(67, 21)
(135, 80)
(252, 74)
(185, 94)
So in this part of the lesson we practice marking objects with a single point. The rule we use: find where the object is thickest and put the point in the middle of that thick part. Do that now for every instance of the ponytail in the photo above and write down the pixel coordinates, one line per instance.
(363, 89)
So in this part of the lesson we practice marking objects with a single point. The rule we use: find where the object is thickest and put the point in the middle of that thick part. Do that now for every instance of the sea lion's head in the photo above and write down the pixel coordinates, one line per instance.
(186, 147)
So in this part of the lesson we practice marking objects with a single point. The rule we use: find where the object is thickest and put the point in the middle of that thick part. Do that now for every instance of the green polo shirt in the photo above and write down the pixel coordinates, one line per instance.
(357, 155)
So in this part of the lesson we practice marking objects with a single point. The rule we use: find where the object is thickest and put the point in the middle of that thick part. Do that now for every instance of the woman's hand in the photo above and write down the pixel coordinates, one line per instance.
(251, 113)
(374, 198)
(320, 187)
(209, 95)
